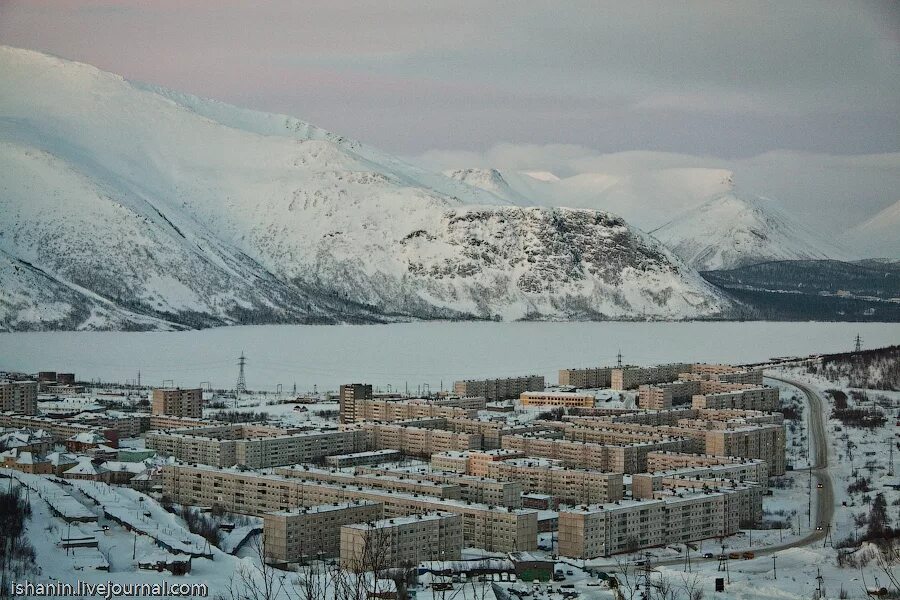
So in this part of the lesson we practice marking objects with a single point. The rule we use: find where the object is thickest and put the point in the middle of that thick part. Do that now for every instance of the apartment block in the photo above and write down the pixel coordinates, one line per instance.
(743, 501)
(60, 429)
(727, 373)
(731, 467)
(491, 431)
(629, 378)
(255, 447)
(746, 397)
(349, 395)
(409, 485)
(629, 525)
(372, 457)
(297, 535)
(415, 441)
(494, 529)
(621, 458)
(484, 490)
(401, 541)
(177, 402)
(565, 399)
(18, 397)
(499, 389)
(726, 436)
(596, 377)
(565, 485)
(376, 409)
(663, 395)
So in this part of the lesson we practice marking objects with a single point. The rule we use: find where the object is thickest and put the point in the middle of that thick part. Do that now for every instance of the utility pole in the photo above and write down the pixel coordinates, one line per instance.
(774, 568)
(819, 592)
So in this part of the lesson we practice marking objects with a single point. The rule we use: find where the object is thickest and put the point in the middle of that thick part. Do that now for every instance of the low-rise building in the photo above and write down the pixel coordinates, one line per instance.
(564, 399)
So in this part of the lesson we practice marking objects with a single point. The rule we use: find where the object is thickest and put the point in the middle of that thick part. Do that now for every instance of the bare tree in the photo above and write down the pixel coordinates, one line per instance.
(257, 580)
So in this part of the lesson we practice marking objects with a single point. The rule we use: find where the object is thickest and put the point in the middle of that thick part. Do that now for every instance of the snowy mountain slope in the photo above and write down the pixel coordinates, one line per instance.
(139, 208)
(878, 235)
(489, 180)
(728, 231)
(647, 199)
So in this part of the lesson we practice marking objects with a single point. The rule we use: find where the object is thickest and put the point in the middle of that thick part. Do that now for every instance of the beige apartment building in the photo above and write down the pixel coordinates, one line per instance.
(564, 399)
(629, 525)
(661, 396)
(177, 402)
(18, 397)
(401, 541)
(376, 409)
(491, 431)
(348, 396)
(743, 469)
(727, 373)
(629, 458)
(255, 447)
(499, 389)
(372, 457)
(595, 377)
(494, 529)
(60, 429)
(298, 535)
(726, 437)
(629, 378)
(568, 486)
(747, 397)
(743, 501)
(409, 485)
(484, 490)
(415, 441)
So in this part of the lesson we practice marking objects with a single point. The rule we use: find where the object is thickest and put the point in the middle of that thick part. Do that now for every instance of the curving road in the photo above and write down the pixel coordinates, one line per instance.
(824, 504)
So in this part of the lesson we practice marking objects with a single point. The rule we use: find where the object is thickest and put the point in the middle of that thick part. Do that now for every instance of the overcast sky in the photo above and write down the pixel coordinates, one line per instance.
(719, 79)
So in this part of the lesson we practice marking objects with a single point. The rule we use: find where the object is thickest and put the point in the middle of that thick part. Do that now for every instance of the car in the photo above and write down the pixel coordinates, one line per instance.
(748, 555)
(734, 555)
(819, 485)
(708, 555)
(570, 572)
(819, 528)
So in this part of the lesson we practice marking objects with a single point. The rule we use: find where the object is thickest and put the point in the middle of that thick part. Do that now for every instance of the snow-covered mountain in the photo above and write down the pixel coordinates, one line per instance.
(878, 236)
(729, 231)
(647, 198)
(129, 206)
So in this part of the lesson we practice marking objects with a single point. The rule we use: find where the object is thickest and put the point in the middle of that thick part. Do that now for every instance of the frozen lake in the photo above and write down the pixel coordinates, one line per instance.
(415, 353)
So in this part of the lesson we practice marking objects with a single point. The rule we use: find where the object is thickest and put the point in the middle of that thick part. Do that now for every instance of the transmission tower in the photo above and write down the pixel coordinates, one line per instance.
(858, 346)
(619, 358)
(241, 386)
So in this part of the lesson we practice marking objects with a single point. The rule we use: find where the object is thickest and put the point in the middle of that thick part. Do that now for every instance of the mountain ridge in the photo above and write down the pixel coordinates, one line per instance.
(150, 209)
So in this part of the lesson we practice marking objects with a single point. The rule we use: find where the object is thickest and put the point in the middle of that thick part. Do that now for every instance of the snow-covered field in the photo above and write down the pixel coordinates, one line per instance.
(412, 354)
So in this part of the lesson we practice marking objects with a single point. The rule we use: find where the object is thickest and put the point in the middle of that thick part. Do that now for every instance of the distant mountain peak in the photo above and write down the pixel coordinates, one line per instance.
(729, 231)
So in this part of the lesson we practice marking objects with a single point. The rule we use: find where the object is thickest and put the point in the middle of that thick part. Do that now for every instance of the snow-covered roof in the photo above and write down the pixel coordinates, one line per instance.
(86, 468)
(88, 437)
